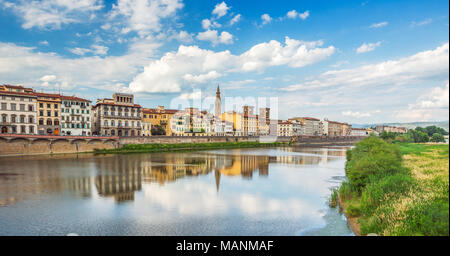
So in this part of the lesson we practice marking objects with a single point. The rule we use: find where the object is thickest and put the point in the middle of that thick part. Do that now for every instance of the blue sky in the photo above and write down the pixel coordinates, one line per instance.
(355, 61)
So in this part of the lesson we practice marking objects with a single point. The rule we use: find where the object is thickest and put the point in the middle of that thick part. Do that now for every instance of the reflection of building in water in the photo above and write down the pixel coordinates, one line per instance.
(34, 177)
(243, 165)
(80, 185)
(119, 177)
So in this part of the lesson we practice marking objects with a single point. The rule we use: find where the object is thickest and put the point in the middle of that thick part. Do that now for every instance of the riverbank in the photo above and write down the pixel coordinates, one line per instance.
(396, 189)
(154, 148)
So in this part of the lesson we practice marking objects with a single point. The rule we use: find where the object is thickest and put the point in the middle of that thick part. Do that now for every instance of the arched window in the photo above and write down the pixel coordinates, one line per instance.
(4, 118)
(22, 119)
(56, 122)
(13, 119)
(41, 121)
(49, 121)
(30, 119)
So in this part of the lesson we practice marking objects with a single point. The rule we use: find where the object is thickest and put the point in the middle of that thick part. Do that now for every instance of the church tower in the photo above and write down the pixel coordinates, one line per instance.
(218, 105)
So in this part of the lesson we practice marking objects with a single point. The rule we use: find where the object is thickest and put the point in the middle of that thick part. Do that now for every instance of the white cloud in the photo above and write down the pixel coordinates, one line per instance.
(436, 98)
(23, 65)
(235, 19)
(202, 78)
(304, 15)
(144, 16)
(191, 63)
(265, 19)
(207, 24)
(292, 14)
(191, 96)
(214, 38)
(418, 67)
(44, 42)
(421, 23)
(95, 49)
(432, 106)
(368, 47)
(51, 14)
(379, 25)
(356, 114)
(183, 36)
(48, 78)
(220, 9)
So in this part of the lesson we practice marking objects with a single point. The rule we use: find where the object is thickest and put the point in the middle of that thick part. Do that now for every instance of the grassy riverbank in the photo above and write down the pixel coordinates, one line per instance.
(400, 189)
(157, 147)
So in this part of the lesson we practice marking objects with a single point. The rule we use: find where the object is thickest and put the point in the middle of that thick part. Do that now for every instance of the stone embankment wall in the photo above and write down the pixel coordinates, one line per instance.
(35, 144)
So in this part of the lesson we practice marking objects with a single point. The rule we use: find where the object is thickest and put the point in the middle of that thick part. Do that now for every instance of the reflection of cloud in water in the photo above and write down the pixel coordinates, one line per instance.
(200, 198)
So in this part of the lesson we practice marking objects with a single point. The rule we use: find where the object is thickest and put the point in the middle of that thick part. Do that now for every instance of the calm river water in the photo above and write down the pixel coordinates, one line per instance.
(264, 191)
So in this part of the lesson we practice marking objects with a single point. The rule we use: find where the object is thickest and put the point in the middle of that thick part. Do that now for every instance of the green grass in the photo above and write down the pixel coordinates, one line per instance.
(398, 196)
(160, 147)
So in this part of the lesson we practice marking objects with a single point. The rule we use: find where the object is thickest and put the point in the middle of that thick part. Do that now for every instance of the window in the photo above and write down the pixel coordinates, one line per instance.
(22, 99)
(30, 100)
(13, 118)
(48, 105)
(30, 119)
(41, 105)
(22, 119)
(13, 106)
(49, 113)
(23, 129)
(30, 108)
(56, 113)
(49, 121)
(31, 129)
(56, 106)
(3, 97)
(3, 106)
(22, 107)
(87, 111)
(41, 121)
(41, 113)
(56, 122)
(13, 98)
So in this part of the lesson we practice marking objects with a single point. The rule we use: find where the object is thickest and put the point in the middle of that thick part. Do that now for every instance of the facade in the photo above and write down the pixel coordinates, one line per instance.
(381, 128)
(17, 110)
(263, 120)
(75, 116)
(359, 132)
(236, 119)
(311, 126)
(118, 116)
(159, 117)
(285, 128)
(146, 128)
(250, 121)
(48, 113)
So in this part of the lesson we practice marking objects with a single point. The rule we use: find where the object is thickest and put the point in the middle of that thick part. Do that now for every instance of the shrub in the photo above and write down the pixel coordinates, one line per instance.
(372, 157)
(437, 137)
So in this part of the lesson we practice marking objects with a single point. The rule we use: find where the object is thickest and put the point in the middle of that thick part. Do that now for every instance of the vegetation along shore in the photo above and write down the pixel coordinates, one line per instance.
(396, 188)
(157, 147)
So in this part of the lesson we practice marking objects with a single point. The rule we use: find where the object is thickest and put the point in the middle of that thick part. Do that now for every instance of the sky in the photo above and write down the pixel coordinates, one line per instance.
(354, 61)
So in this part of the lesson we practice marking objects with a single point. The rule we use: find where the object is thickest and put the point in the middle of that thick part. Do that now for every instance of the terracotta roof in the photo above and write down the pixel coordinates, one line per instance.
(310, 118)
(117, 104)
(155, 111)
(362, 129)
(73, 98)
(19, 93)
(41, 94)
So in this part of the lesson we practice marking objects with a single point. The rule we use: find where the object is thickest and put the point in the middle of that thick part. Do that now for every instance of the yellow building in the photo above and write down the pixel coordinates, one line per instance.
(48, 113)
(237, 120)
(159, 117)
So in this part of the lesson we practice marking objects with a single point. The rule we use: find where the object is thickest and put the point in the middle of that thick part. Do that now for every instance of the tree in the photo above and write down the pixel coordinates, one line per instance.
(437, 137)
(158, 130)
(418, 135)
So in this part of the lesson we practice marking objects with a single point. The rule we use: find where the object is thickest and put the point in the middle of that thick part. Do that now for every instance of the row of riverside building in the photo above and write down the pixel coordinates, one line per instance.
(25, 111)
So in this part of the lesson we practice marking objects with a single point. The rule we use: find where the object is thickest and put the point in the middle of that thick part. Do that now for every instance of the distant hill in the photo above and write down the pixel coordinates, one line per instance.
(442, 124)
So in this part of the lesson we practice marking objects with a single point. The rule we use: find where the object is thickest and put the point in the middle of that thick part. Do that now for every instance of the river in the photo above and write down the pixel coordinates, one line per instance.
(261, 191)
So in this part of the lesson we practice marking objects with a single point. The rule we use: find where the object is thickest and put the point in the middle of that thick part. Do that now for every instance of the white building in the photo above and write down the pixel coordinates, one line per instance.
(358, 132)
(75, 116)
(17, 110)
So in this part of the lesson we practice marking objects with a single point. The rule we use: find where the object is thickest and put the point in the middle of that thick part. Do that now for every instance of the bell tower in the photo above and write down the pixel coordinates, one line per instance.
(218, 105)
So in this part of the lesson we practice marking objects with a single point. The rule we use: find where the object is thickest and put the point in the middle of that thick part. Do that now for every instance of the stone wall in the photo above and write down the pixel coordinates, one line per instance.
(33, 145)
(36, 145)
